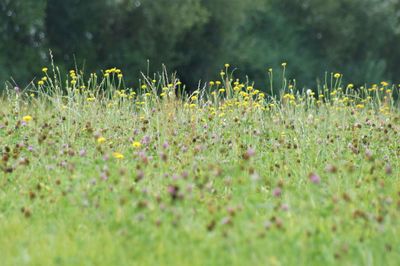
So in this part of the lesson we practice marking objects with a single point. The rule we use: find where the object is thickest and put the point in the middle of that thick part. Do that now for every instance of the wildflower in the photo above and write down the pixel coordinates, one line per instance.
(40, 82)
(101, 140)
(227, 65)
(165, 145)
(249, 153)
(27, 118)
(173, 191)
(136, 144)
(45, 69)
(277, 192)
(284, 64)
(314, 178)
(118, 155)
(82, 153)
(337, 75)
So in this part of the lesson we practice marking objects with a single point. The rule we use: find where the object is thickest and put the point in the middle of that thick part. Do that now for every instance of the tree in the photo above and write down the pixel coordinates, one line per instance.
(22, 39)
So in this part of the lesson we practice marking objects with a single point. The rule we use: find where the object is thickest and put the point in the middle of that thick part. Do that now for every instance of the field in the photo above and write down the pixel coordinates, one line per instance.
(96, 173)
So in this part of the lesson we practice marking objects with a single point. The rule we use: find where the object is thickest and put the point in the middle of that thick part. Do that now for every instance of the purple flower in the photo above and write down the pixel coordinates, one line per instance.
(145, 140)
(249, 153)
(104, 176)
(277, 192)
(284, 207)
(315, 178)
(82, 153)
(165, 145)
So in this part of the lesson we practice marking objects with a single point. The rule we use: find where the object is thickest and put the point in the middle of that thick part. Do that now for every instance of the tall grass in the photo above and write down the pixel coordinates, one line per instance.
(96, 172)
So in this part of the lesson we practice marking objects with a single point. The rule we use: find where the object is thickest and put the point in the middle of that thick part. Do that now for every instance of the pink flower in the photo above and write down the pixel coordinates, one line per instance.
(315, 178)
(277, 192)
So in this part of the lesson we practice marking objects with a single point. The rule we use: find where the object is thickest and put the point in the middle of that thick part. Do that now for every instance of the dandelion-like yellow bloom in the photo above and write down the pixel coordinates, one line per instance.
(337, 75)
(45, 69)
(40, 82)
(27, 118)
(118, 155)
(101, 140)
(136, 144)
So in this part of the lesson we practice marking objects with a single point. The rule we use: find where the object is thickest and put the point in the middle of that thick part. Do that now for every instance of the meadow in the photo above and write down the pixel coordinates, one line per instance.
(94, 172)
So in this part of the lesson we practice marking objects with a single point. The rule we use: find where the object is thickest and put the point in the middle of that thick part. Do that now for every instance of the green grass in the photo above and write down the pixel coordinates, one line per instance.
(221, 178)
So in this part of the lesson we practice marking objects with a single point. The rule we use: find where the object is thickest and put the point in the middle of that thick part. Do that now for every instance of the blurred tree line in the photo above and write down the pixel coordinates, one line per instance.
(359, 38)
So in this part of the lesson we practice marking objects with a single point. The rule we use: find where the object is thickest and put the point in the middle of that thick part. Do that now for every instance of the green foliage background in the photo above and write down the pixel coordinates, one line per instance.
(359, 38)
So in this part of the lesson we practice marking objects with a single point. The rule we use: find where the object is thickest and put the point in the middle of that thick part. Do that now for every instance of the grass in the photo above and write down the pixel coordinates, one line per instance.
(95, 173)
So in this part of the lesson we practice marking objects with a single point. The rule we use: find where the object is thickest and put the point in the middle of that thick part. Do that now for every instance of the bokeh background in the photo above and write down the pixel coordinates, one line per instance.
(359, 38)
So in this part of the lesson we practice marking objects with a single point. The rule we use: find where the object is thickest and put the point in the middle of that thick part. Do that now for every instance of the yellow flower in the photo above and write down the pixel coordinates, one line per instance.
(40, 82)
(284, 64)
(118, 155)
(136, 144)
(101, 140)
(27, 118)
(337, 75)
(45, 69)
(227, 65)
